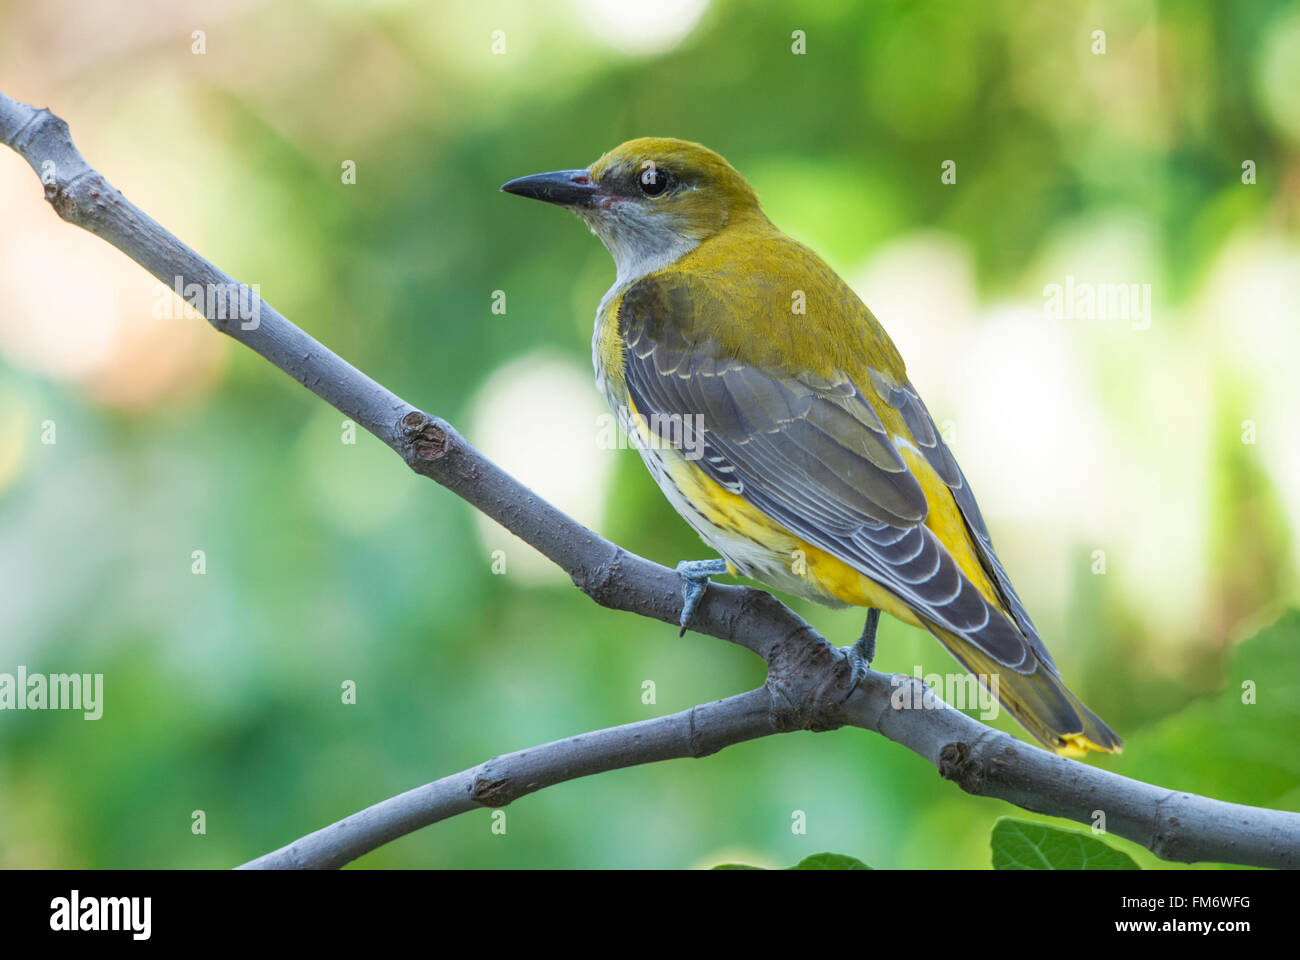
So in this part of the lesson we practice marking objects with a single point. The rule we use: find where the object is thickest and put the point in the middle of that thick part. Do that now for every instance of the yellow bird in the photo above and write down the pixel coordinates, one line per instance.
(776, 415)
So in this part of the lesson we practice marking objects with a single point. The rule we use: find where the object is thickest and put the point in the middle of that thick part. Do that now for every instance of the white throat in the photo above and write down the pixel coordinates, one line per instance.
(639, 242)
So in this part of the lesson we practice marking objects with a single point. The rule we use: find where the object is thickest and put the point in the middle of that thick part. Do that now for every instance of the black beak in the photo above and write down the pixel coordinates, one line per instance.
(568, 188)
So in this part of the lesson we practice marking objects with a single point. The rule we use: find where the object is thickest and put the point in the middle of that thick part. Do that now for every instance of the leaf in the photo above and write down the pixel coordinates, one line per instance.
(1236, 745)
(1028, 845)
(816, 861)
(830, 861)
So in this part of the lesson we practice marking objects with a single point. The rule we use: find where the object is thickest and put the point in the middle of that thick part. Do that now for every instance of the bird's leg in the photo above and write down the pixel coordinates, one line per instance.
(865, 648)
(695, 578)
(864, 651)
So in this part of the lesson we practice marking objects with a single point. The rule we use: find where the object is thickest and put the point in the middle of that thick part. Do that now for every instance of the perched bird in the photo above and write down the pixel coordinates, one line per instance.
(776, 415)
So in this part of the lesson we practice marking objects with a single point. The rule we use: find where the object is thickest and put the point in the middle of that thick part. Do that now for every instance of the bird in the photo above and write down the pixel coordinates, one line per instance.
(776, 415)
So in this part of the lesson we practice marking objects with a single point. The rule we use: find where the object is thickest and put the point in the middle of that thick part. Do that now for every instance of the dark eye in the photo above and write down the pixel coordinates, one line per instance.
(653, 181)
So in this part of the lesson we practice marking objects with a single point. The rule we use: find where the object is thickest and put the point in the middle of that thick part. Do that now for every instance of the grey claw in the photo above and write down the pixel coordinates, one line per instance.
(695, 580)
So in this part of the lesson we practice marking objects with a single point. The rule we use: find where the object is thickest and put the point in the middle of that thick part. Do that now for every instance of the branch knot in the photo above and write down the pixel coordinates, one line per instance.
(492, 791)
(426, 439)
(809, 680)
(957, 762)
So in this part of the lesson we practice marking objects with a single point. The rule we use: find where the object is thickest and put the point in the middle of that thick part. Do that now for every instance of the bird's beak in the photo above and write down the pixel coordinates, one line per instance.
(568, 188)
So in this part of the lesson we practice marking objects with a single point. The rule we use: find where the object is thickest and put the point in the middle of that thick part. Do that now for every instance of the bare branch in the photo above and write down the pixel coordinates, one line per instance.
(811, 685)
(696, 732)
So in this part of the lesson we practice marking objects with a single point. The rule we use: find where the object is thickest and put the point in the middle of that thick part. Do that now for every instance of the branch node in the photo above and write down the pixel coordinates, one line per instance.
(601, 581)
(958, 763)
(809, 680)
(491, 792)
(427, 440)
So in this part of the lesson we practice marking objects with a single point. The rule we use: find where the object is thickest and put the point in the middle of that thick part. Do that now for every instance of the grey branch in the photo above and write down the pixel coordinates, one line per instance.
(811, 684)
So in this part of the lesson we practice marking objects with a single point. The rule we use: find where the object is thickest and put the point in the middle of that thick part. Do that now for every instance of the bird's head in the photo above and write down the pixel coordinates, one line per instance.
(650, 200)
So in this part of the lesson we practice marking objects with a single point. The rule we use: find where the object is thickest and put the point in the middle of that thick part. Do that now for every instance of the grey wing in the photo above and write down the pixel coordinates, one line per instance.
(907, 401)
(811, 454)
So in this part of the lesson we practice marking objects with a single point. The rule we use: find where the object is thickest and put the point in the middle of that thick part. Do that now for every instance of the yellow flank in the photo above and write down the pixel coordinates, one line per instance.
(843, 582)
(735, 515)
(946, 522)
(607, 347)
(832, 576)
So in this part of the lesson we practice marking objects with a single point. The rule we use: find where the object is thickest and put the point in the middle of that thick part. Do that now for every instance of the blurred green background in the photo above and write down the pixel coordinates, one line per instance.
(1142, 480)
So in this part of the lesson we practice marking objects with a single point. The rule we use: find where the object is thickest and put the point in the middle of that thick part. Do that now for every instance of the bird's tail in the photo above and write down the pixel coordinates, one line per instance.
(1038, 699)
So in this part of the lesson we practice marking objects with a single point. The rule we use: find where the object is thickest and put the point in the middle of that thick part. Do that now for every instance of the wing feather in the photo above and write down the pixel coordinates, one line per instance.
(813, 453)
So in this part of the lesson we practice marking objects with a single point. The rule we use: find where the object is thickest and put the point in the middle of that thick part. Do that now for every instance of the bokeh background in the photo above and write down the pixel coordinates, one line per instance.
(1142, 481)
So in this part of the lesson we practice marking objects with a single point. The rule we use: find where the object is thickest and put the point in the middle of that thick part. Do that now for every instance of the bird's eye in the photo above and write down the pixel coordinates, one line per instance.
(653, 181)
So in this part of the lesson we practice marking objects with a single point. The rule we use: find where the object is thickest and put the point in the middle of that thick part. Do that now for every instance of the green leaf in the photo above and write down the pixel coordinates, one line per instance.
(816, 861)
(1028, 845)
(830, 861)
(1236, 745)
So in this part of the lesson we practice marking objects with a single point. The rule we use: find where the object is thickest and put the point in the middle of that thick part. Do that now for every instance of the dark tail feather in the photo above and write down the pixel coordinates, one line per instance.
(1039, 700)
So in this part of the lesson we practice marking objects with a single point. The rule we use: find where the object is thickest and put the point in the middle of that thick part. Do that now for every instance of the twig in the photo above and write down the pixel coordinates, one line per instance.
(696, 732)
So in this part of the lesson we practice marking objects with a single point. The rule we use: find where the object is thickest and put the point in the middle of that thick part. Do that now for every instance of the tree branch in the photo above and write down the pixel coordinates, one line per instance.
(811, 685)
(696, 732)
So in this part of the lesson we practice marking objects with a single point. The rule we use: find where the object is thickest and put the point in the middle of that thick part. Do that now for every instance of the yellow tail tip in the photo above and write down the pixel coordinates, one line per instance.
(1078, 745)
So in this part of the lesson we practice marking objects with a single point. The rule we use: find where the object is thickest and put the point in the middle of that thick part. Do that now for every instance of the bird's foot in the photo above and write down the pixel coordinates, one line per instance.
(863, 652)
(695, 579)
(865, 648)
